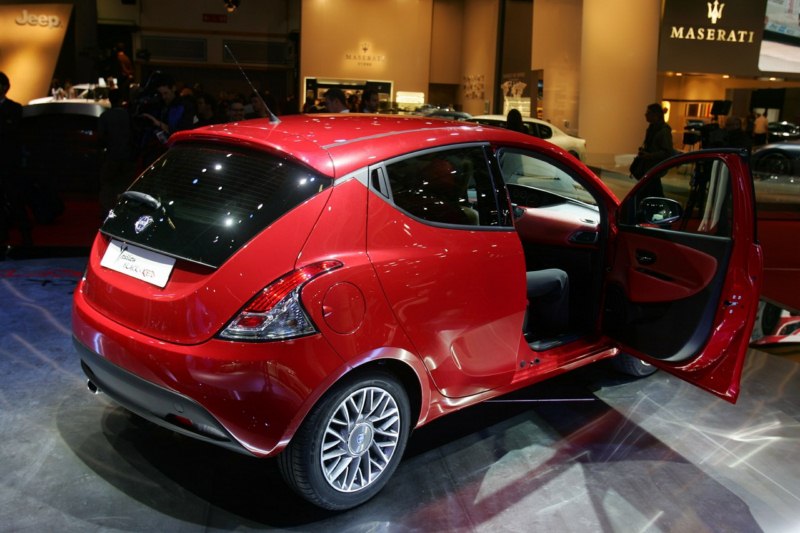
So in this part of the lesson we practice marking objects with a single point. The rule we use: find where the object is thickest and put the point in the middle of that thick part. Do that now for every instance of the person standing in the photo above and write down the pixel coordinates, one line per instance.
(369, 101)
(264, 105)
(174, 114)
(657, 144)
(206, 110)
(514, 121)
(115, 136)
(123, 71)
(760, 130)
(12, 209)
(236, 111)
(735, 134)
(335, 101)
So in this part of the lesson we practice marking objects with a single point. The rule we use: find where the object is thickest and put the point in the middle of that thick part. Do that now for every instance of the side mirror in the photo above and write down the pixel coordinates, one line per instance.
(658, 211)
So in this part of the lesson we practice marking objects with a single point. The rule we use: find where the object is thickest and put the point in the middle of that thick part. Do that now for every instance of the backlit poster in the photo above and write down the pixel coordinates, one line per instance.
(716, 36)
(31, 36)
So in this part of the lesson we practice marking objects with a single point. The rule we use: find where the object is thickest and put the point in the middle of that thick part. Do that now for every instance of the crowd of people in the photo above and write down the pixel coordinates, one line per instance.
(134, 130)
(734, 132)
(164, 106)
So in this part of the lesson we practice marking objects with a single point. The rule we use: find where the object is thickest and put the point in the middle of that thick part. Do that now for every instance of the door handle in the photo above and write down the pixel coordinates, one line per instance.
(645, 258)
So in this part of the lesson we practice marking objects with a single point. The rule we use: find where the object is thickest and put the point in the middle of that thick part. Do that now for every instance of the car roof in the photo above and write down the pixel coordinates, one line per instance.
(337, 144)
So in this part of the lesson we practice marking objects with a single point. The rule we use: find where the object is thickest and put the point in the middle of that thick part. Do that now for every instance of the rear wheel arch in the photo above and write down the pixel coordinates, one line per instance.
(403, 373)
(329, 462)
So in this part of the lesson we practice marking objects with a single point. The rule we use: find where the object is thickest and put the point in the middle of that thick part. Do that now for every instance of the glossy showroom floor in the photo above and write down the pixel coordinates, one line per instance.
(586, 452)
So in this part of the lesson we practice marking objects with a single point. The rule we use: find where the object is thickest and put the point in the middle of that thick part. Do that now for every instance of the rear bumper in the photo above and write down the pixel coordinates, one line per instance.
(158, 405)
(248, 397)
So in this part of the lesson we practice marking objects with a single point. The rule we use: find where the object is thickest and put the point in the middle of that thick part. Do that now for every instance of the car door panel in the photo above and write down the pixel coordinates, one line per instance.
(689, 311)
(660, 270)
(472, 290)
(463, 280)
(668, 304)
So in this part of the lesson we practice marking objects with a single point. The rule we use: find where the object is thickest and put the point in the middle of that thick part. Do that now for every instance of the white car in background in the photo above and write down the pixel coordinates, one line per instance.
(80, 93)
(544, 130)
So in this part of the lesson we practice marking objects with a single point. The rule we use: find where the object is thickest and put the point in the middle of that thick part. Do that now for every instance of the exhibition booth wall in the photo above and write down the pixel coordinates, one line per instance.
(588, 66)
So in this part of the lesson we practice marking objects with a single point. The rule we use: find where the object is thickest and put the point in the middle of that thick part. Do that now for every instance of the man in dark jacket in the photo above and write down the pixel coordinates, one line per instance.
(115, 134)
(657, 145)
(12, 209)
(175, 113)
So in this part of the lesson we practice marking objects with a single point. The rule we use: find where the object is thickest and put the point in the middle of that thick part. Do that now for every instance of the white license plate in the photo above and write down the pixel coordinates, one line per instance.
(148, 266)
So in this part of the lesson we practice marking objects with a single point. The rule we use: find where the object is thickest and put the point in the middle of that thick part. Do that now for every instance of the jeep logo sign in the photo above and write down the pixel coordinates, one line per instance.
(50, 21)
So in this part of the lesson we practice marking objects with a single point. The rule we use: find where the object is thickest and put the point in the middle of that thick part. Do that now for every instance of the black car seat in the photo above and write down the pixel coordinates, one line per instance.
(548, 303)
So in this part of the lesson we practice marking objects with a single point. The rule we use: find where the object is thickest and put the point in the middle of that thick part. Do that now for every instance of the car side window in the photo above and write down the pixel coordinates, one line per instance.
(545, 132)
(450, 186)
(693, 198)
(534, 172)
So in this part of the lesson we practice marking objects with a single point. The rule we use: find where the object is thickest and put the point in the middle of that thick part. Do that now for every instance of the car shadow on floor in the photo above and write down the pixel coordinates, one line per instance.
(460, 472)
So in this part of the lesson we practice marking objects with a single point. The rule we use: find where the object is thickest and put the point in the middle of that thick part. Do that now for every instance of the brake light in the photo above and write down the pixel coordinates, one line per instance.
(276, 313)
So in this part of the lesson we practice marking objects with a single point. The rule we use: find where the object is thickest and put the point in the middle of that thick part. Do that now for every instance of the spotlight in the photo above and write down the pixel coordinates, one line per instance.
(231, 5)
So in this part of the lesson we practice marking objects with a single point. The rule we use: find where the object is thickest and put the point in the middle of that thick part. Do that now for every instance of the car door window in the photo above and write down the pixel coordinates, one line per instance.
(544, 132)
(451, 186)
(700, 193)
(534, 172)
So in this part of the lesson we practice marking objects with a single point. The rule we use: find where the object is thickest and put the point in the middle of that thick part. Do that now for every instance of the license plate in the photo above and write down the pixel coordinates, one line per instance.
(148, 266)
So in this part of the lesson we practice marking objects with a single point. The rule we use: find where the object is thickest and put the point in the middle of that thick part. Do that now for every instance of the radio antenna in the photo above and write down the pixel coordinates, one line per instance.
(272, 118)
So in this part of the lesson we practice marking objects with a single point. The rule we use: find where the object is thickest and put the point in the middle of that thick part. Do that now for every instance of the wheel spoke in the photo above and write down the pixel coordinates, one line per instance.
(338, 468)
(332, 453)
(352, 478)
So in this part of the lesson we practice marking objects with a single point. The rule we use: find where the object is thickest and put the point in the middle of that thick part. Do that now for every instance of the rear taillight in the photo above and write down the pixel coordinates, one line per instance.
(276, 313)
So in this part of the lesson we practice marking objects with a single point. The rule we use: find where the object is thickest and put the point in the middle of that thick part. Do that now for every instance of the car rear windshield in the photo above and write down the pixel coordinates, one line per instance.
(203, 202)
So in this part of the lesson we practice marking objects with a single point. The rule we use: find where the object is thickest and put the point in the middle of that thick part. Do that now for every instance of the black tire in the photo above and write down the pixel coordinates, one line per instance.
(632, 366)
(359, 460)
(767, 319)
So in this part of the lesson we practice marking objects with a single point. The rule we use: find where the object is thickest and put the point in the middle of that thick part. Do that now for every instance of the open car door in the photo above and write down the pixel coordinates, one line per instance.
(683, 285)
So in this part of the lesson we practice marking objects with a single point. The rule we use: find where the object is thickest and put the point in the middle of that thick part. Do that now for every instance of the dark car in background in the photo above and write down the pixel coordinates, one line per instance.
(60, 170)
(779, 163)
(783, 131)
(62, 156)
(776, 179)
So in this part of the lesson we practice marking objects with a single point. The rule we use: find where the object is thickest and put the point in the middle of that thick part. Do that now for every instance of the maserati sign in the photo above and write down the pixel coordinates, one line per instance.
(711, 37)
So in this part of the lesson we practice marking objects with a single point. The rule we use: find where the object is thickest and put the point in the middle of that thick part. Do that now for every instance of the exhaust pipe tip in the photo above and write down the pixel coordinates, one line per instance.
(94, 389)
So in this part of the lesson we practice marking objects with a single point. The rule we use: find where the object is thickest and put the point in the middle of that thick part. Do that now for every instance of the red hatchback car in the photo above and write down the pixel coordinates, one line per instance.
(315, 288)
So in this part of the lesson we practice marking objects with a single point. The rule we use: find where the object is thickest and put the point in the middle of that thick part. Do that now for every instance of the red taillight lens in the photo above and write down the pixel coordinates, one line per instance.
(276, 313)
(279, 289)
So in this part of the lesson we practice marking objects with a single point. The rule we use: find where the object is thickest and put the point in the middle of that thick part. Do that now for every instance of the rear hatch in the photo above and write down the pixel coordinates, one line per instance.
(219, 222)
